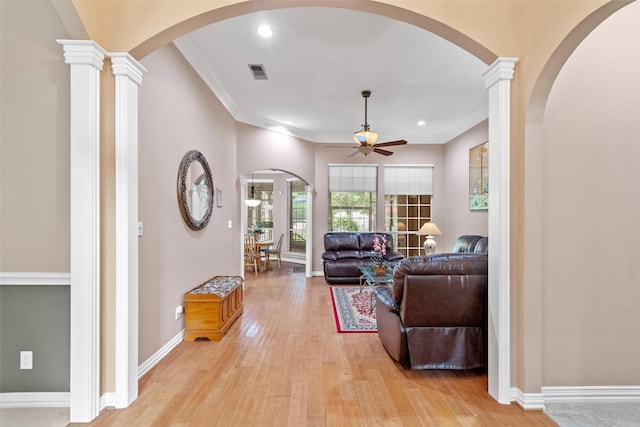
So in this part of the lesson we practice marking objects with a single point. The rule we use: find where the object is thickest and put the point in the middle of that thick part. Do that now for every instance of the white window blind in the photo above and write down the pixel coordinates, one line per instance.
(360, 178)
(408, 179)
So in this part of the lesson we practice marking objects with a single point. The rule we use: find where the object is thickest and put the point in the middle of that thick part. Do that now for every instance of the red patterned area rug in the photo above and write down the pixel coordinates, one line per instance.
(351, 309)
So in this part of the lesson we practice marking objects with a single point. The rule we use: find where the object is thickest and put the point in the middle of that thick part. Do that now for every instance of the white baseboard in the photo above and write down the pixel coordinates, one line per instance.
(591, 393)
(34, 400)
(160, 354)
(62, 400)
(528, 401)
(107, 400)
(536, 401)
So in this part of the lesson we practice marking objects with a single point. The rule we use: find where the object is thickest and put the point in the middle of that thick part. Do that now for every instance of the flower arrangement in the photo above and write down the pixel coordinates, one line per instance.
(379, 251)
(256, 228)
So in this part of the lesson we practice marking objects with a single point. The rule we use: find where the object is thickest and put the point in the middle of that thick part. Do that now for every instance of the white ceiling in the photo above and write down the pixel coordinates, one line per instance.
(318, 62)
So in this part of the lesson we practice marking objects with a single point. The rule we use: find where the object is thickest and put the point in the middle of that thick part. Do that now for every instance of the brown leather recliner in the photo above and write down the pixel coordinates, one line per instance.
(434, 316)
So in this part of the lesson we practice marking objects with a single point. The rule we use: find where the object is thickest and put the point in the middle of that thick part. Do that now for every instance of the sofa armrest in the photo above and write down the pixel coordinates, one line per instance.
(393, 256)
(385, 296)
(330, 255)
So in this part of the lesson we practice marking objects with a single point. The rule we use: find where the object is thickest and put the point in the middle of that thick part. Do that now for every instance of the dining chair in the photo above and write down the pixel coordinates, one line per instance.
(251, 252)
(274, 251)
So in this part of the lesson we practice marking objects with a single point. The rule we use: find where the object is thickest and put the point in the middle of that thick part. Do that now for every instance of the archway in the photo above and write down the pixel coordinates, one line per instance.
(533, 186)
(230, 12)
(298, 234)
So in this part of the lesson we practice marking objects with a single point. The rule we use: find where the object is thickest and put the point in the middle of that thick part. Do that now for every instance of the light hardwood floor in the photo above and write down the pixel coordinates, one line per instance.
(283, 364)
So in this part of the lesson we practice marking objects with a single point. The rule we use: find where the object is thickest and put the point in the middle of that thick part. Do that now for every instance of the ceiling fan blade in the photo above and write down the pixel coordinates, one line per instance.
(390, 143)
(383, 152)
(353, 154)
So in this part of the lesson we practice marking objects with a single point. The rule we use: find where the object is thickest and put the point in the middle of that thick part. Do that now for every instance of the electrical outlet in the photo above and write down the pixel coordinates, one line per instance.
(140, 229)
(26, 360)
(179, 311)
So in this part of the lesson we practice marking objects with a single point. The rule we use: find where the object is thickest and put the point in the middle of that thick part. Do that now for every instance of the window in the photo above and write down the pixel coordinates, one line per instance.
(407, 204)
(297, 215)
(352, 197)
(262, 215)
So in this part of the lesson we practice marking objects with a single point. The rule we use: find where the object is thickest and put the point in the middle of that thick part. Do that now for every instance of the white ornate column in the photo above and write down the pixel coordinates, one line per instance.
(498, 83)
(309, 248)
(128, 77)
(86, 60)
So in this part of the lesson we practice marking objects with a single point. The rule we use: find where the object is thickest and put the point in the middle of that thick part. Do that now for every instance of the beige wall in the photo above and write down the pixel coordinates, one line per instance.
(34, 141)
(458, 219)
(263, 149)
(179, 113)
(591, 183)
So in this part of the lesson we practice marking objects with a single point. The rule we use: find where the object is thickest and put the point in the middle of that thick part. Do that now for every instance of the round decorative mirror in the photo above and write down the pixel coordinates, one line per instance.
(195, 190)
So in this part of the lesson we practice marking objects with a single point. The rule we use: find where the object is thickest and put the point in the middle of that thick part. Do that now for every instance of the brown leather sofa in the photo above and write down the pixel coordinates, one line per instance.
(434, 316)
(345, 252)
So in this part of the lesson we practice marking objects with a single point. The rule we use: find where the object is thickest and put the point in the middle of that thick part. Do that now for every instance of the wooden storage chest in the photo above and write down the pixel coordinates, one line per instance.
(211, 308)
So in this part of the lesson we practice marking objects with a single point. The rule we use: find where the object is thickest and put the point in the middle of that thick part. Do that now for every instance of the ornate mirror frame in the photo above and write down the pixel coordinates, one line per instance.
(183, 190)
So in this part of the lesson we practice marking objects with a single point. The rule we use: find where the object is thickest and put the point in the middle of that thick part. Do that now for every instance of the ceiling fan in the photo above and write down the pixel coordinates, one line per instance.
(367, 138)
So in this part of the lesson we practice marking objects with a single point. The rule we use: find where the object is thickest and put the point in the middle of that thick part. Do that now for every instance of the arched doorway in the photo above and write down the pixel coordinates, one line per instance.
(288, 212)
(382, 11)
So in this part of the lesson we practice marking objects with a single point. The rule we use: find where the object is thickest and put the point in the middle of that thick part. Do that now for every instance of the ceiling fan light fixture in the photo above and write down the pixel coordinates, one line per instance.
(365, 136)
(366, 149)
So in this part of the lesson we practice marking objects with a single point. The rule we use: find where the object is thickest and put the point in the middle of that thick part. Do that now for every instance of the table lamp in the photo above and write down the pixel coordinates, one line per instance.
(429, 229)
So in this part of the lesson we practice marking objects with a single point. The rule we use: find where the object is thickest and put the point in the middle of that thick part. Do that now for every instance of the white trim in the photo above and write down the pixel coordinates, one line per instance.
(34, 279)
(537, 401)
(528, 401)
(591, 393)
(128, 75)
(244, 194)
(34, 400)
(108, 400)
(498, 83)
(160, 354)
(61, 400)
(86, 59)
(309, 218)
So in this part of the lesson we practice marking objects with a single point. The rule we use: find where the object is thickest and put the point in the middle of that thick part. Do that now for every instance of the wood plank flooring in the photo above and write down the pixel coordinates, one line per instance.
(283, 364)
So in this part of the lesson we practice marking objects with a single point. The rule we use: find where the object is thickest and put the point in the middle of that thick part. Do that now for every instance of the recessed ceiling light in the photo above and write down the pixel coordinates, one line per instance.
(421, 123)
(265, 31)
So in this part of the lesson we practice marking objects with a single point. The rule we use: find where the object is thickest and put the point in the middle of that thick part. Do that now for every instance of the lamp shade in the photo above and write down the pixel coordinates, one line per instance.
(366, 135)
(252, 202)
(429, 229)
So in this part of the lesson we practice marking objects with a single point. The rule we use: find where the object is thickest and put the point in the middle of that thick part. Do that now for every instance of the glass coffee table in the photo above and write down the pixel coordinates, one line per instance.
(370, 278)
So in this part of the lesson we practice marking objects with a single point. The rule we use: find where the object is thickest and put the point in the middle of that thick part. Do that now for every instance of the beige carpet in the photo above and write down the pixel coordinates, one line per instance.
(594, 414)
(34, 417)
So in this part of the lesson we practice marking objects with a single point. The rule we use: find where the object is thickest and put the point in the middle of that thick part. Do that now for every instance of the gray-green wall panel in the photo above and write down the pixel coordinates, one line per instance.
(34, 318)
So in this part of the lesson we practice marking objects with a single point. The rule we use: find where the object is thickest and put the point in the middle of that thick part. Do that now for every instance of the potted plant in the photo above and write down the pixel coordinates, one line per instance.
(256, 229)
(378, 254)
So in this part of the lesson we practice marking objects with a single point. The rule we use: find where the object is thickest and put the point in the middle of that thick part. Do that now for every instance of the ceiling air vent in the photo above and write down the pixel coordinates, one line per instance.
(258, 71)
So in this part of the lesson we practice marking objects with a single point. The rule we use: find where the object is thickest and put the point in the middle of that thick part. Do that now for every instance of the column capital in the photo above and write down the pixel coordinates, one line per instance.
(123, 64)
(501, 69)
(83, 52)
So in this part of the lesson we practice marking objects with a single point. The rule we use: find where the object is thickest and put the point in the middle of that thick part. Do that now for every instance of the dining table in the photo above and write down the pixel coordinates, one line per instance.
(265, 244)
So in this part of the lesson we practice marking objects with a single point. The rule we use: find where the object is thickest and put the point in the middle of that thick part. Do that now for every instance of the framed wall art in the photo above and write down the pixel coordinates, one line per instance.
(479, 177)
